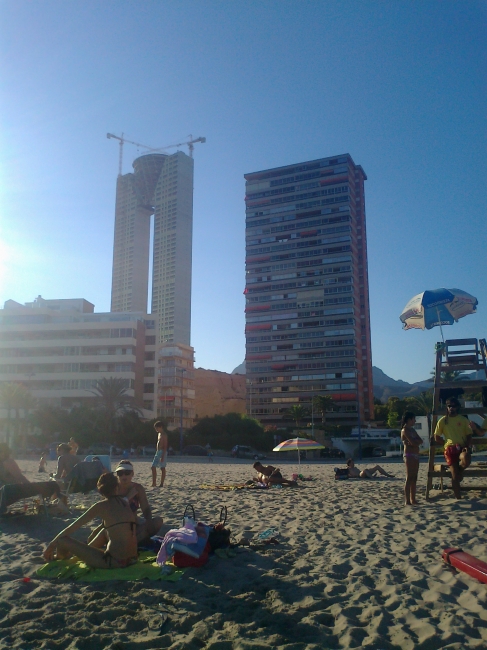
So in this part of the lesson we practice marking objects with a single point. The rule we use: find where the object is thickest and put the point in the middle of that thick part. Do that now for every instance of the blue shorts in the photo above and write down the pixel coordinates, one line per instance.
(157, 462)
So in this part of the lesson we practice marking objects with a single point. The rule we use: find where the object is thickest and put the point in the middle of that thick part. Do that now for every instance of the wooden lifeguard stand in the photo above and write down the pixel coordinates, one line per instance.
(464, 355)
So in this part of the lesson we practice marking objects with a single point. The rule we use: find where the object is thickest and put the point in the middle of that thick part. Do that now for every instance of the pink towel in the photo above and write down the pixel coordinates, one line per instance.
(185, 535)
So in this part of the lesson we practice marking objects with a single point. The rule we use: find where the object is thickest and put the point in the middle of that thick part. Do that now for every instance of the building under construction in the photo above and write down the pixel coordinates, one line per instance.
(160, 185)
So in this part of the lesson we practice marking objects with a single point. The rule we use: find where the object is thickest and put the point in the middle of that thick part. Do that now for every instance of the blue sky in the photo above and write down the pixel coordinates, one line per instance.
(401, 86)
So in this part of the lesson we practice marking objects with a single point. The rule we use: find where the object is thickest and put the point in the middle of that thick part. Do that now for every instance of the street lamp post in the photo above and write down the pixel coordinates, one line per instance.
(312, 418)
(181, 415)
(359, 431)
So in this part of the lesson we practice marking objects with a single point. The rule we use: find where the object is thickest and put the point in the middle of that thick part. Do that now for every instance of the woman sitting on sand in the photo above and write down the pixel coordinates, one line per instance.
(119, 526)
(136, 498)
(355, 472)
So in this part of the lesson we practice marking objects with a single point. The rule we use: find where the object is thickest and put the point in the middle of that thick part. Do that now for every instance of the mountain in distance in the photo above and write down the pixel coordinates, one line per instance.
(384, 386)
(239, 370)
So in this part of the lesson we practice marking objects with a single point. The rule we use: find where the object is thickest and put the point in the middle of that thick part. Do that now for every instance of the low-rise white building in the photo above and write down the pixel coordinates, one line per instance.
(60, 349)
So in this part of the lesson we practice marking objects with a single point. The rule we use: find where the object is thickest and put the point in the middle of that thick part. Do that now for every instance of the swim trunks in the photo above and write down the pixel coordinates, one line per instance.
(158, 462)
(410, 454)
(452, 454)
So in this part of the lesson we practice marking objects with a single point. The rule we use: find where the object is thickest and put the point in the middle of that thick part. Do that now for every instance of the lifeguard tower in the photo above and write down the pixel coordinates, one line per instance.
(465, 355)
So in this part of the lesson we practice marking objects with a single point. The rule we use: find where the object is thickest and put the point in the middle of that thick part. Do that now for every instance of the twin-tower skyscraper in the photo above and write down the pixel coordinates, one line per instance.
(160, 185)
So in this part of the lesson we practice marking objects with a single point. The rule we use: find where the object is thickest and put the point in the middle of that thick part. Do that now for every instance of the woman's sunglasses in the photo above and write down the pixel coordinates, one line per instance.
(124, 472)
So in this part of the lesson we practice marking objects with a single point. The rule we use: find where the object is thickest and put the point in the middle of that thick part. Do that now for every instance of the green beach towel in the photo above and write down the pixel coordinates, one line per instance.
(73, 569)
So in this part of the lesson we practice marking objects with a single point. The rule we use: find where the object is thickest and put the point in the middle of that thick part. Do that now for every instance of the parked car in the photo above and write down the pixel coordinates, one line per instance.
(378, 451)
(99, 448)
(243, 451)
(331, 452)
(194, 450)
(148, 450)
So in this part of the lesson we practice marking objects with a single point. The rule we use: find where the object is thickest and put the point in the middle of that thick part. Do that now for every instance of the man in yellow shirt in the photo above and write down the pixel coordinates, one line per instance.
(454, 432)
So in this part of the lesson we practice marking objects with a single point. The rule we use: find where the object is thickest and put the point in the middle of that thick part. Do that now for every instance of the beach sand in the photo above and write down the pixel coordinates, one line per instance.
(354, 569)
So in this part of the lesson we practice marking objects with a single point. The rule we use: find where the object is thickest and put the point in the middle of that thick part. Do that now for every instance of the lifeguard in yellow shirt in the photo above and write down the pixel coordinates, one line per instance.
(454, 432)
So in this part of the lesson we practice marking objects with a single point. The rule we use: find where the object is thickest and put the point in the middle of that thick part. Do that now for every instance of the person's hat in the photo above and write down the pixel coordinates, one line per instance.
(125, 465)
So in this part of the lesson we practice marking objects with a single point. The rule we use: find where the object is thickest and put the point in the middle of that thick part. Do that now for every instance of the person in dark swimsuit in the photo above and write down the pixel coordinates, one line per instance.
(119, 527)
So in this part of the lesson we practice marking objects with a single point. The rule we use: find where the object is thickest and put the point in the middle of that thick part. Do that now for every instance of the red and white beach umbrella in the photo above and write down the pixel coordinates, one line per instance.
(298, 444)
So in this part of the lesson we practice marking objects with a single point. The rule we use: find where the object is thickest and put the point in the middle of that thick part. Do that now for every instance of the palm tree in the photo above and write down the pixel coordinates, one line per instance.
(15, 396)
(8, 393)
(112, 399)
(424, 401)
(324, 404)
(449, 375)
(297, 413)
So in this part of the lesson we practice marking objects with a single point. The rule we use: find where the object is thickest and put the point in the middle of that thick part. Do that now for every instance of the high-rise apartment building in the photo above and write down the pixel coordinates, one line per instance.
(60, 349)
(160, 185)
(307, 295)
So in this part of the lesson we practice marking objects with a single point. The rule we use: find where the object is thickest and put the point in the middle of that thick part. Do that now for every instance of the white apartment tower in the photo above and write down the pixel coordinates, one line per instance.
(160, 185)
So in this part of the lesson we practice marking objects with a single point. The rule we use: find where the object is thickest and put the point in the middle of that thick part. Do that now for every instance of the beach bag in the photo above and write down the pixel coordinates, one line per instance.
(183, 560)
(197, 554)
(219, 536)
(341, 473)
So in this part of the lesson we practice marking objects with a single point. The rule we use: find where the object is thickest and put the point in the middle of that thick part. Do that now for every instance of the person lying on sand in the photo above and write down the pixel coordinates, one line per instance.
(355, 472)
(136, 498)
(119, 526)
(270, 475)
(15, 486)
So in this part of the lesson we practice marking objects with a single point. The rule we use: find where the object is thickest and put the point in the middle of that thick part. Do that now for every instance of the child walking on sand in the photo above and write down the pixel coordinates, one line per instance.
(412, 441)
(43, 463)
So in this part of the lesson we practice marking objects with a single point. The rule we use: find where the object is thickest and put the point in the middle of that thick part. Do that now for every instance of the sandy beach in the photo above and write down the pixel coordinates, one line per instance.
(353, 568)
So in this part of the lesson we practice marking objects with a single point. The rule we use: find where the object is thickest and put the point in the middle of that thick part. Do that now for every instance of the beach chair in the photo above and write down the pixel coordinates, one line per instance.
(27, 493)
(83, 477)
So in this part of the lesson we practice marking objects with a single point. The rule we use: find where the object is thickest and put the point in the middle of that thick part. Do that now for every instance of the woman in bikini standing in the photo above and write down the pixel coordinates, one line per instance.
(119, 526)
(411, 441)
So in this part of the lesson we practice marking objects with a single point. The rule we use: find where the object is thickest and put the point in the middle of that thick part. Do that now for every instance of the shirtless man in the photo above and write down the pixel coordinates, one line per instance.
(355, 472)
(160, 457)
(270, 475)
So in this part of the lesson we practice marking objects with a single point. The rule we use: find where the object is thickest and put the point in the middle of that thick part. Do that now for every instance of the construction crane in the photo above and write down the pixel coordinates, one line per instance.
(191, 142)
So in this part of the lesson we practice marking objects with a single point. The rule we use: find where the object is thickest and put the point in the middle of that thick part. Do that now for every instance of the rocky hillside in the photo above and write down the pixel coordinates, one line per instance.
(217, 393)
(385, 386)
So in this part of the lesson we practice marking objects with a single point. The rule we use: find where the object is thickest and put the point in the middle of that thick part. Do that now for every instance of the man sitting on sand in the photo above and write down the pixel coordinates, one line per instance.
(270, 475)
(355, 472)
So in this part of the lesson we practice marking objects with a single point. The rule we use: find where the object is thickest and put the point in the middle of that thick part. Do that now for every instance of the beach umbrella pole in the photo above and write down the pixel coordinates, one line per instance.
(439, 323)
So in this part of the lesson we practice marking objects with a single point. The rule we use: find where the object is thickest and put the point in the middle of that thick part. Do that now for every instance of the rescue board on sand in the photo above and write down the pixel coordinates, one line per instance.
(466, 563)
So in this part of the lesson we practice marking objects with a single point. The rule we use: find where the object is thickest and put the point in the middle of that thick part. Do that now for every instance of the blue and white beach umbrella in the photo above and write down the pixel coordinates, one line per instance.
(437, 307)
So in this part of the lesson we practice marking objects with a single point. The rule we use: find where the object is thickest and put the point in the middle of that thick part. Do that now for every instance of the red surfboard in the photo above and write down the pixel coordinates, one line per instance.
(466, 563)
